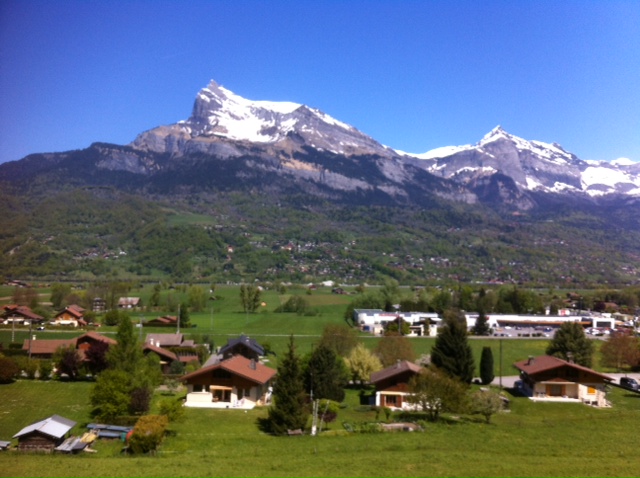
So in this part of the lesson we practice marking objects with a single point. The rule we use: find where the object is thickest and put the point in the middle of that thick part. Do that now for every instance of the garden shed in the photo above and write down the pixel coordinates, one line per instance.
(44, 435)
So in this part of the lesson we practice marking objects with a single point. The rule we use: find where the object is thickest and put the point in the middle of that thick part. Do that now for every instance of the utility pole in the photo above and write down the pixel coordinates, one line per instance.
(501, 363)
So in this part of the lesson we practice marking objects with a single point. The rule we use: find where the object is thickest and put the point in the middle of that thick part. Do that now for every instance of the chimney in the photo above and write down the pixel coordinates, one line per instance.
(252, 364)
(151, 341)
(531, 360)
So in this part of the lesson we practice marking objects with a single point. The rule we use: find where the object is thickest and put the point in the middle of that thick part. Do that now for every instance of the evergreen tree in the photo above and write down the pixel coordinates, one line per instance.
(326, 375)
(571, 343)
(288, 411)
(481, 327)
(185, 318)
(452, 352)
(486, 366)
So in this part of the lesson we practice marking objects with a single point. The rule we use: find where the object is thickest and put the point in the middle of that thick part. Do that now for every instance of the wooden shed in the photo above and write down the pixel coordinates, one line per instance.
(45, 435)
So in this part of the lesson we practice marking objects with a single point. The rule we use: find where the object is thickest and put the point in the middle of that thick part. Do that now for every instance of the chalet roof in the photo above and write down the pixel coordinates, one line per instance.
(166, 340)
(167, 354)
(543, 363)
(91, 335)
(238, 365)
(47, 347)
(243, 340)
(400, 367)
(54, 426)
(165, 319)
(75, 310)
(22, 310)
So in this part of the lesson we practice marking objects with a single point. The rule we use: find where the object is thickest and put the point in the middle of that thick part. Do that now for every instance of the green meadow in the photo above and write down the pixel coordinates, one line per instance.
(532, 439)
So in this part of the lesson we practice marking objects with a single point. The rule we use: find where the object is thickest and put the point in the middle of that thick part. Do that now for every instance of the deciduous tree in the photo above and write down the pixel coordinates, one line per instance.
(621, 350)
(393, 347)
(250, 297)
(362, 363)
(340, 338)
(486, 403)
(434, 392)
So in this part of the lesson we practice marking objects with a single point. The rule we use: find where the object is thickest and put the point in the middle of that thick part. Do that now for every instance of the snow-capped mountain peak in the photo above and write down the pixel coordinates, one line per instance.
(220, 116)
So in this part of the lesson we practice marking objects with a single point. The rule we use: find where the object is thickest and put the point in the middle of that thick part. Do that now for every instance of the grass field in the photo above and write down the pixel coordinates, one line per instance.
(533, 439)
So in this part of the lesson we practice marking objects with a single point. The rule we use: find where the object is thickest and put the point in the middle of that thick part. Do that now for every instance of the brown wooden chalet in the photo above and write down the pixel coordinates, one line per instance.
(237, 382)
(20, 314)
(44, 349)
(166, 356)
(547, 378)
(70, 315)
(45, 435)
(392, 383)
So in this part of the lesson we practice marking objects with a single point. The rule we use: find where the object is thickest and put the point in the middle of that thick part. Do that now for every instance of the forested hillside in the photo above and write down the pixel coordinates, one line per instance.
(93, 233)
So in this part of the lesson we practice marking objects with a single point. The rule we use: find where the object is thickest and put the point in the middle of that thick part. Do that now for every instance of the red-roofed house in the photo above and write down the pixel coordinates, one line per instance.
(166, 356)
(71, 315)
(237, 382)
(44, 349)
(20, 314)
(392, 384)
(548, 378)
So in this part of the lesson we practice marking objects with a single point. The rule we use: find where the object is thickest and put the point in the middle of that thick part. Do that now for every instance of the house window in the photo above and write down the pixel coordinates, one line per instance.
(591, 390)
(555, 390)
(390, 400)
(197, 387)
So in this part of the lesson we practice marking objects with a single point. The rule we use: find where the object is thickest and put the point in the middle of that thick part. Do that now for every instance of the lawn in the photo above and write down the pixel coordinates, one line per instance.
(533, 439)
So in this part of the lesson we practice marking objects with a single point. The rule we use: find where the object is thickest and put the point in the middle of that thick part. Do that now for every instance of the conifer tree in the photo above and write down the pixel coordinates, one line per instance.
(486, 366)
(452, 353)
(481, 327)
(326, 375)
(288, 411)
(571, 343)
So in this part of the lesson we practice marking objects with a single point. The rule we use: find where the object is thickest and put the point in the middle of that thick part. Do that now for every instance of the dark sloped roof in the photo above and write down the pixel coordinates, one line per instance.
(243, 340)
(543, 363)
(398, 368)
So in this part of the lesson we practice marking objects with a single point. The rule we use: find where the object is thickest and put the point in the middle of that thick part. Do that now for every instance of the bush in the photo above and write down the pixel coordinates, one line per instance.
(148, 433)
(172, 409)
(46, 367)
(8, 370)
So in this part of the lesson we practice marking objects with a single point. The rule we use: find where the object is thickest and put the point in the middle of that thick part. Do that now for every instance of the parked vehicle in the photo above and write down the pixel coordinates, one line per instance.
(630, 383)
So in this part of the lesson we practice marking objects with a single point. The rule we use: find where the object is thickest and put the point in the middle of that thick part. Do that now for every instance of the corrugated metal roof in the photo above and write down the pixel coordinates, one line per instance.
(54, 426)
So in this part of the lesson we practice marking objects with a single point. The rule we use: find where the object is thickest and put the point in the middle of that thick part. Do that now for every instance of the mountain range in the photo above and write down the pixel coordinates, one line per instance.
(295, 156)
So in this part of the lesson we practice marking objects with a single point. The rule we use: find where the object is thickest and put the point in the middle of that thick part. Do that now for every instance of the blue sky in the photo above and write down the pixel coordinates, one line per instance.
(415, 75)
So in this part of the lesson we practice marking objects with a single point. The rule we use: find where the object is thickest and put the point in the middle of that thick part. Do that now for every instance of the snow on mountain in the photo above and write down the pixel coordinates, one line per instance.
(533, 165)
(222, 122)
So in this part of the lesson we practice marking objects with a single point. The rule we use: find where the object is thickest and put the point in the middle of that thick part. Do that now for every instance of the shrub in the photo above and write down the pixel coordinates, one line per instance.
(148, 433)
(8, 369)
(172, 409)
(46, 367)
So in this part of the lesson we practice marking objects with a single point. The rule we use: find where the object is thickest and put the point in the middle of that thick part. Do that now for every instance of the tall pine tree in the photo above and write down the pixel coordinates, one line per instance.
(452, 353)
(288, 411)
